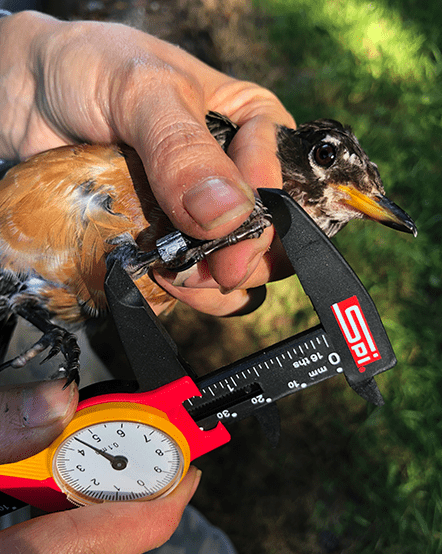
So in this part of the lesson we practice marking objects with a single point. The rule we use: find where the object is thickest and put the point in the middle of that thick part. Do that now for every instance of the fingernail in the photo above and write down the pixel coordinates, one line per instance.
(216, 201)
(253, 299)
(196, 481)
(183, 276)
(46, 403)
(195, 278)
(252, 264)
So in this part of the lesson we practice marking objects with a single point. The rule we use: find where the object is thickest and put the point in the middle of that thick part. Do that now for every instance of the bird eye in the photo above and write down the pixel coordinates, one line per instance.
(324, 154)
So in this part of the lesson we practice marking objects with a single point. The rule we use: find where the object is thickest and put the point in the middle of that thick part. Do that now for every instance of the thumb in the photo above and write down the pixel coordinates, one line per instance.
(197, 185)
(129, 527)
(32, 416)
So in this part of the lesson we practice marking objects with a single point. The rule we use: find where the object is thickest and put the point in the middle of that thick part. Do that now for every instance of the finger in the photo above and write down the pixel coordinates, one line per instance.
(243, 259)
(254, 152)
(211, 300)
(232, 267)
(188, 286)
(196, 184)
(257, 112)
(266, 266)
(132, 527)
(158, 106)
(33, 416)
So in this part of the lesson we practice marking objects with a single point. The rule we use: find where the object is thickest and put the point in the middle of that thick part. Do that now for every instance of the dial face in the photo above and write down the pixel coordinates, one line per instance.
(117, 461)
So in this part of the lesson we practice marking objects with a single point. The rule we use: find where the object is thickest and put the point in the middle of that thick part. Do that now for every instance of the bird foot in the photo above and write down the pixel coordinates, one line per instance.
(60, 341)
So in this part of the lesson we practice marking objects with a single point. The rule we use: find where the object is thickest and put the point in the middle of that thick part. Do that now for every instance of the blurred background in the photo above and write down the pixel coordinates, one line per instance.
(345, 478)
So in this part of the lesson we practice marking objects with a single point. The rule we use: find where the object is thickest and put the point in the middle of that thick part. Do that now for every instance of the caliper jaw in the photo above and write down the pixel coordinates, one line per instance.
(345, 309)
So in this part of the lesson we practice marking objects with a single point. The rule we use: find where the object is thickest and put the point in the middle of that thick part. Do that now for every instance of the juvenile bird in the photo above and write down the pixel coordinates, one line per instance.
(65, 211)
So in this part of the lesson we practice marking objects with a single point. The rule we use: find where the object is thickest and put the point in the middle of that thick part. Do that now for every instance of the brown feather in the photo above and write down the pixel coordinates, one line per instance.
(64, 227)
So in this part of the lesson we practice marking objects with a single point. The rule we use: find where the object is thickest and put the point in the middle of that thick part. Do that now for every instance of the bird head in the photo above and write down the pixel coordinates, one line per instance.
(326, 171)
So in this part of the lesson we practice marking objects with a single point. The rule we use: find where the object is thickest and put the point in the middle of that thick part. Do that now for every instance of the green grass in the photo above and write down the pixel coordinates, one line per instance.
(378, 67)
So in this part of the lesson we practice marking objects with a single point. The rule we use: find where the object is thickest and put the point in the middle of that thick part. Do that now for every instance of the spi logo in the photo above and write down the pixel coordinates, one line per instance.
(356, 332)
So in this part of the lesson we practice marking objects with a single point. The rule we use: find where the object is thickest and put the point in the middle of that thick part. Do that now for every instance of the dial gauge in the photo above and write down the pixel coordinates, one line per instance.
(117, 461)
(116, 452)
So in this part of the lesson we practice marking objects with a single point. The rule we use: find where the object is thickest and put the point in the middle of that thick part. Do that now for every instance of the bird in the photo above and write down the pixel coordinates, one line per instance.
(326, 171)
(65, 212)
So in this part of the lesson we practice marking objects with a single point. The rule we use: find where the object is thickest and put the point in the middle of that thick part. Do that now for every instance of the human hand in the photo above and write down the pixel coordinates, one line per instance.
(32, 417)
(65, 82)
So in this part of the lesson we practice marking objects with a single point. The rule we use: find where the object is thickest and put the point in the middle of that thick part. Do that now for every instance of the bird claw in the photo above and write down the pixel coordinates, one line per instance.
(60, 341)
(72, 375)
(52, 352)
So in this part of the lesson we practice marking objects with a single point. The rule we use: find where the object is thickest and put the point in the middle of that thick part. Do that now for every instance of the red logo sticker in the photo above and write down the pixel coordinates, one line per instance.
(356, 332)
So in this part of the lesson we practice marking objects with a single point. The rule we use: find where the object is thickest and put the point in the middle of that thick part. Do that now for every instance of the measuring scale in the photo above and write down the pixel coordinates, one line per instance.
(135, 456)
(134, 440)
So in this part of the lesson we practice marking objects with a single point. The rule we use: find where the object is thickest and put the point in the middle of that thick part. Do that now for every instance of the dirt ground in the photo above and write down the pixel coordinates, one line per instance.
(267, 500)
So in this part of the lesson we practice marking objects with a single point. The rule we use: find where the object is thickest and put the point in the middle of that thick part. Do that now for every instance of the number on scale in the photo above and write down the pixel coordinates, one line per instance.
(223, 415)
(258, 399)
(334, 358)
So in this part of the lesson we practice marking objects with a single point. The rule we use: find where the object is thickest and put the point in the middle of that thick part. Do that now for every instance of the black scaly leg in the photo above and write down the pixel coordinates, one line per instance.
(58, 339)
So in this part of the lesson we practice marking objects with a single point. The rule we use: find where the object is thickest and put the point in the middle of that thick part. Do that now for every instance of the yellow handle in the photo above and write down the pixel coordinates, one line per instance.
(39, 466)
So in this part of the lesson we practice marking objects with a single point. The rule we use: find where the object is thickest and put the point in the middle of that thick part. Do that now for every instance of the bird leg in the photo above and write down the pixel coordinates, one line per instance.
(129, 255)
(196, 250)
(177, 252)
(58, 339)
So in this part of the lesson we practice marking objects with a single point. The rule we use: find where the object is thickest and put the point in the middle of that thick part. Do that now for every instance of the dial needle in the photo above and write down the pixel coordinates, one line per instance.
(117, 462)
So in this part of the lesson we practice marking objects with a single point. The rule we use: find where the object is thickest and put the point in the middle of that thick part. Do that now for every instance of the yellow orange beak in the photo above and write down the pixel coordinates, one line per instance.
(379, 208)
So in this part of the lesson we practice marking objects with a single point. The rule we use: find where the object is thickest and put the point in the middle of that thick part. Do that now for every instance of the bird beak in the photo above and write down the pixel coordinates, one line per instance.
(379, 208)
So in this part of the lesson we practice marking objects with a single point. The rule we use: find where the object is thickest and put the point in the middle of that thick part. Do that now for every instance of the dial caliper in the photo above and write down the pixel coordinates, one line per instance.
(134, 440)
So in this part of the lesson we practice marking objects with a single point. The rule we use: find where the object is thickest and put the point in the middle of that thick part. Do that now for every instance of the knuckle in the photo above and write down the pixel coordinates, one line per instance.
(177, 145)
(157, 94)
(147, 74)
(248, 100)
(136, 75)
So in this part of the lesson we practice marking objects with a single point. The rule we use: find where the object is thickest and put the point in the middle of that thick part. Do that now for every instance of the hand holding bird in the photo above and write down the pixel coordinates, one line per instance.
(65, 212)
(89, 82)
